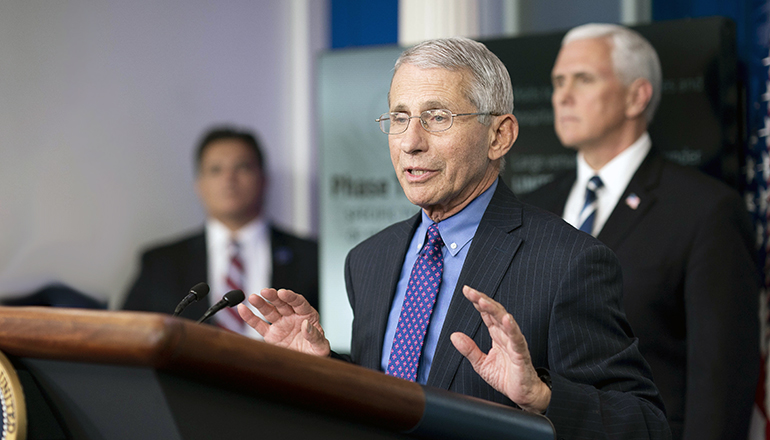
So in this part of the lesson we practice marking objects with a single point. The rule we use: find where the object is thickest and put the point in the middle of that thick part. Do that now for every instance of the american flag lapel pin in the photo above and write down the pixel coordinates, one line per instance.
(633, 201)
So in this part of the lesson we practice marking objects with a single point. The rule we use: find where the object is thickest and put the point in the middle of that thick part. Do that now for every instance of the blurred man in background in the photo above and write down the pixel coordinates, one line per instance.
(238, 248)
(684, 240)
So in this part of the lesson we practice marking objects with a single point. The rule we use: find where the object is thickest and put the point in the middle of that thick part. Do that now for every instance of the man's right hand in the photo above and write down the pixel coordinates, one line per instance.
(290, 321)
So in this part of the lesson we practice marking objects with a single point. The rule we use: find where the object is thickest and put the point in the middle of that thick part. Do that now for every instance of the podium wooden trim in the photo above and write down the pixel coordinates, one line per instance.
(212, 356)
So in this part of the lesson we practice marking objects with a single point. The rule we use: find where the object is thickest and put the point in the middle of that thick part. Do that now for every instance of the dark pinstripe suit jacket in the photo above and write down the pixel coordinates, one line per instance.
(562, 286)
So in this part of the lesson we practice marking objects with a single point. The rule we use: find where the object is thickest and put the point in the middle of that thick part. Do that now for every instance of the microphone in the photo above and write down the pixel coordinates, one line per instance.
(198, 292)
(231, 298)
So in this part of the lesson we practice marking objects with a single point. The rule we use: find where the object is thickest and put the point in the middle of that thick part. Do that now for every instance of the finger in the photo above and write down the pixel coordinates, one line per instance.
(472, 294)
(502, 327)
(265, 308)
(488, 305)
(257, 301)
(494, 315)
(311, 333)
(499, 328)
(253, 320)
(280, 304)
(516, 337)
(468, 348)
(509, 338)
(510, 326)
(498, 332)
(481, 301)
(491, 311)
(269, 294)
(316, 339)
(297, 302)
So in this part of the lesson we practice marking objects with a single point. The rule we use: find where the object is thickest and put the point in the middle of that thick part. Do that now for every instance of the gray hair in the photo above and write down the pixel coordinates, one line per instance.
(490, 85)
(633, 56)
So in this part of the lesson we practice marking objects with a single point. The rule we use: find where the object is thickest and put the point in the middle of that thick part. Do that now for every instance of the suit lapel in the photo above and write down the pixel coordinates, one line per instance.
(635, 203)
(198, 260)
(281, 258)
(556, 196)
(384, 280)
(488, 259)
(195, 272)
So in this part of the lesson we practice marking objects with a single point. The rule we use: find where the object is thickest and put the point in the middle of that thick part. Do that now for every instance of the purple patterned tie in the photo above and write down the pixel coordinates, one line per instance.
(421, 292)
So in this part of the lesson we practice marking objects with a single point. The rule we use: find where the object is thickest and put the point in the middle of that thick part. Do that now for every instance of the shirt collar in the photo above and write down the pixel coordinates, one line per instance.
(220, 235)
(618, 172)
(458, 230)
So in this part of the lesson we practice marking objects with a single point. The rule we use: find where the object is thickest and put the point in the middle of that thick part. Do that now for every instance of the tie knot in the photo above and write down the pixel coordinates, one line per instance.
(234, 246)
(595, 183)
(434, 237)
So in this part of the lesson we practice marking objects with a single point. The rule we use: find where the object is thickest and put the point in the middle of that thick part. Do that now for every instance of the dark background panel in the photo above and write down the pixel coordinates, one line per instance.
(697, 123)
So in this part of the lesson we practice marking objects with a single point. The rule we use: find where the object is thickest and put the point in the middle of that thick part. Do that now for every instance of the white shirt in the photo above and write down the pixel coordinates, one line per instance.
(615, 175)
(254, 240)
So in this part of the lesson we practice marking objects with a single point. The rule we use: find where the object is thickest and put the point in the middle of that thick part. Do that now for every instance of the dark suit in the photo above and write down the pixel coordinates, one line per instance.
(563, 288)
(169, 271)
(690, 291)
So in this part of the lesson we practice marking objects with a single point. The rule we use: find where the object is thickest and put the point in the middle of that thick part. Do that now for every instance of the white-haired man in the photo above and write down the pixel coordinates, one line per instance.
(547, 333)
(684, 240)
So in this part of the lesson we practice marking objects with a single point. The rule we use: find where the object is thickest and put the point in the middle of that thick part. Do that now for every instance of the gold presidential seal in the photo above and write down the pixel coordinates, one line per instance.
(12, 400)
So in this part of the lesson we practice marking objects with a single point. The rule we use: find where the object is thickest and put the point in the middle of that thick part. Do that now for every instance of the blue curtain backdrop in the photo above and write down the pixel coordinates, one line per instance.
(363, 23)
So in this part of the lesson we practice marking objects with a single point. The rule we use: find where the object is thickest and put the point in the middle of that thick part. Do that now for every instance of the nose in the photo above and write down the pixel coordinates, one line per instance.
(562, 95)
(413, 139)
(230, 174)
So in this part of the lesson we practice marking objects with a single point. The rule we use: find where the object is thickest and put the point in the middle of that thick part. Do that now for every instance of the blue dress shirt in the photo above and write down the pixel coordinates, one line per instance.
(457, 232)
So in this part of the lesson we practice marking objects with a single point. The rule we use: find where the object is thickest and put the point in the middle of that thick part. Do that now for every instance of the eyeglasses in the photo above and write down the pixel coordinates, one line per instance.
(433, 121)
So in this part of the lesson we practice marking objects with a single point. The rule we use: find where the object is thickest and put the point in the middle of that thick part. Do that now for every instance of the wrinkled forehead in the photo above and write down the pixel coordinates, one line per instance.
(431, 87)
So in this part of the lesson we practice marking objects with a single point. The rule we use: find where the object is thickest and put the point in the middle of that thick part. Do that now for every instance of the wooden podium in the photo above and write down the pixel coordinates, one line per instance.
(129, 375)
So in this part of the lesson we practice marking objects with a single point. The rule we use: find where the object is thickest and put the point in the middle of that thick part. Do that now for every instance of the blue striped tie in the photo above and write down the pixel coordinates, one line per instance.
(588, 214)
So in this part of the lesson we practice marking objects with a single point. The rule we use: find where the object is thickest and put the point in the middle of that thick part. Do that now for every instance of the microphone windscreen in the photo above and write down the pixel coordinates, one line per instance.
(200, 290)
(234, 297)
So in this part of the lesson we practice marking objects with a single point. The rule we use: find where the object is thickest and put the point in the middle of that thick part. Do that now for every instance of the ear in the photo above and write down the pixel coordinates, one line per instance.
(638, 97)
(504, 130)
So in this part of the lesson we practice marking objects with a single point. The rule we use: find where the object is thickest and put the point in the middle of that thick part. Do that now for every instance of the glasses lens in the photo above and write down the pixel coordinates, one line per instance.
(436, 120)
(397, 123)
(384, 121)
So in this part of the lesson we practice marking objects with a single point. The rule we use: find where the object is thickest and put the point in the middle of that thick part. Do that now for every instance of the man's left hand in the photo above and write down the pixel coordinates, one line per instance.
(508, 366)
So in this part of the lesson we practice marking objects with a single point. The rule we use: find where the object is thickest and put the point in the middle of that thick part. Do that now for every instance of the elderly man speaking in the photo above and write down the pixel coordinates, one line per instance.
(479, 293)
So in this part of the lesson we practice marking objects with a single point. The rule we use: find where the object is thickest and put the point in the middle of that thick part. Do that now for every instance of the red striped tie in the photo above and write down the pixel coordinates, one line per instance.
(230, 319)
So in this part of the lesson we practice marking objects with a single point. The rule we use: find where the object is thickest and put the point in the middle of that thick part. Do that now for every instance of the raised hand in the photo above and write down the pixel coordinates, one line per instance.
(508, 366)
(290, 321)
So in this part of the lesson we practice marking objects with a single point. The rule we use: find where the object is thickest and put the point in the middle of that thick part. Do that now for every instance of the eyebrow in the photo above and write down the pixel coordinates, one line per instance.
(578, 74)
(435, 104)
(428, 105)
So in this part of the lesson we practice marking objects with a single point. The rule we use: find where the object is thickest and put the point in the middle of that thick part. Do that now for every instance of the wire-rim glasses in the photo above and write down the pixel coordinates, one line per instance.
(433, 121)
